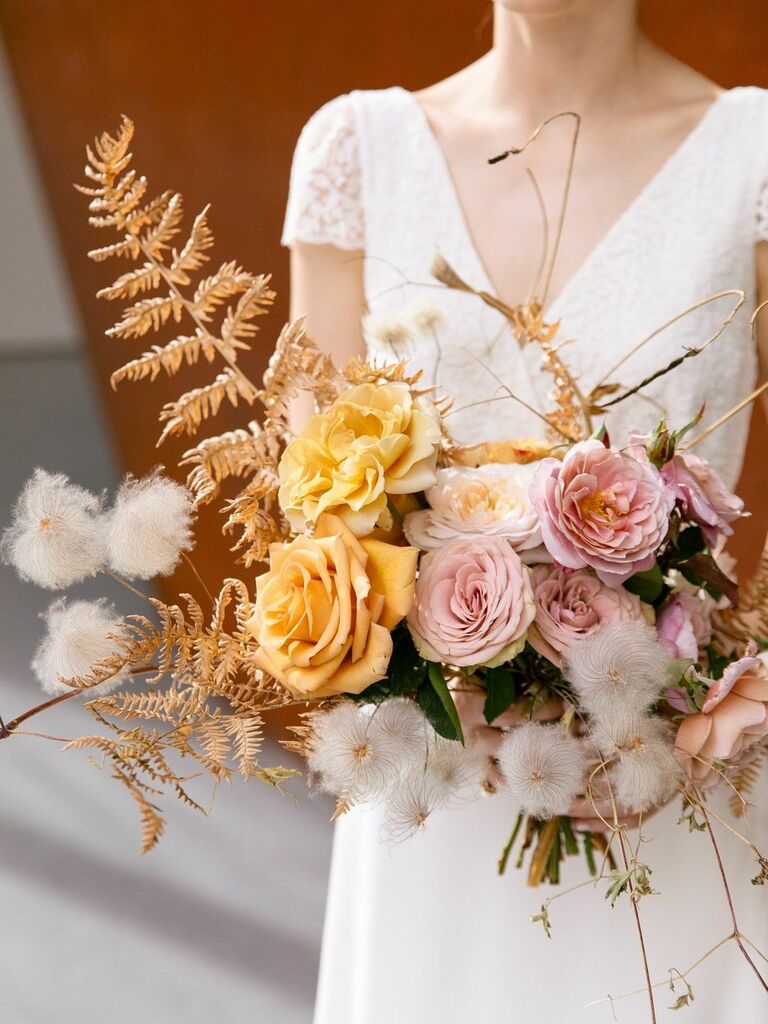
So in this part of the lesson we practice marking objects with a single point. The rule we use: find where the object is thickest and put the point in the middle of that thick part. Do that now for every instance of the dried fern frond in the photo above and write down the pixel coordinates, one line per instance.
(743, 780)
(186, 414)
(297, 364)
(256, 512)
(166, 357)
(148, 230)
(233, 454)
(733, 627)
(358, 371)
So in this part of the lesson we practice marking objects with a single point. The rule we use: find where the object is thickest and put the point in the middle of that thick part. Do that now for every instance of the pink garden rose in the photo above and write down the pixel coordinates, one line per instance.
(683, 624)
(491, 501)
(703, 496)
(474, 603)
(734, 718)
(601, 508)
(571, 605)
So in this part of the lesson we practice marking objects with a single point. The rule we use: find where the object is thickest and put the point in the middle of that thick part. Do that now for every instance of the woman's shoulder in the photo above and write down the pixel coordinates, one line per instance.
(343, 110)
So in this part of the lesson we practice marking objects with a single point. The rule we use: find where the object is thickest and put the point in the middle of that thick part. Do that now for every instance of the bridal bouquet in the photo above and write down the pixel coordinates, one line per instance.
(549, 618)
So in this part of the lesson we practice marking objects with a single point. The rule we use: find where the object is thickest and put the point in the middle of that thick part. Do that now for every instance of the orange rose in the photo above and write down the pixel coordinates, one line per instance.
(727, 729)
(326, 607)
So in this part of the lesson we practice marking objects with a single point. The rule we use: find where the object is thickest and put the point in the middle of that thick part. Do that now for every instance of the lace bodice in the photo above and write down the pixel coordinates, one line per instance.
(369, 175)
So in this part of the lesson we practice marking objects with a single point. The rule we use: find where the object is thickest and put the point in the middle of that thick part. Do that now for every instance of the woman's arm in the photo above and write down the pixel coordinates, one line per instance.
(327, 289)
(761, 272)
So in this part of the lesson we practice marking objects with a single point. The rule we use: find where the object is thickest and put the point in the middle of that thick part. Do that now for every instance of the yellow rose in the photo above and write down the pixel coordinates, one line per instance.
(374, 440)
(325, 609)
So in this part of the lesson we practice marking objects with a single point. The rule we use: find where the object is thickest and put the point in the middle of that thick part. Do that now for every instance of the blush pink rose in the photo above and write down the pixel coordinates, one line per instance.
(602, 508)
(703, 496)
(474, 603)
(571, 605)
(728, 725)
(683, 624)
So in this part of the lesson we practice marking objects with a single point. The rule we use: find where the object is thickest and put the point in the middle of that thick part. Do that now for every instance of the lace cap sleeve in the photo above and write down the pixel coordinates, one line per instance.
(325, 200)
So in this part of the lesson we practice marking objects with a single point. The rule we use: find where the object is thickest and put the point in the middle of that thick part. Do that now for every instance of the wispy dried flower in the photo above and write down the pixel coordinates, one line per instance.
(647, 770)
(56, 537)
(409, 806)
(621, 665)
(149, 527)
(457, 772)
(78, 637)
(543, 768)
(426, 317)
(403, 722)
(352, 757)
(388, 330)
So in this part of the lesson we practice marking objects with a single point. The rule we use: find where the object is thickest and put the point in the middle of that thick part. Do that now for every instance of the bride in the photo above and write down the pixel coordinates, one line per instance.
(667, 207)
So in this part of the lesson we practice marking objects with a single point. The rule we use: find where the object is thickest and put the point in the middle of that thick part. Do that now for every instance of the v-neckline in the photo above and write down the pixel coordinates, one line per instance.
(485, 282)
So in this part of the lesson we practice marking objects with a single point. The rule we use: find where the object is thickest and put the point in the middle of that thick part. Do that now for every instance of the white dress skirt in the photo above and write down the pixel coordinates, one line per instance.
(426, 932)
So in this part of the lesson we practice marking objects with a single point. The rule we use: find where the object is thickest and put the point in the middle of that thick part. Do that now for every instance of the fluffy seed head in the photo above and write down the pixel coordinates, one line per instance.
(78, 636)
(622, 664)
(388, 330)
(56, 537)
(149, 527)
(543, 768)
(647, 770)
(426, 317)
(408, 807)
(456, 772)
(352, 757)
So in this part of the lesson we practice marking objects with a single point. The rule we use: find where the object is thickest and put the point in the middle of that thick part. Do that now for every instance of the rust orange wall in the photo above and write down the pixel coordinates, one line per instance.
(219, 92)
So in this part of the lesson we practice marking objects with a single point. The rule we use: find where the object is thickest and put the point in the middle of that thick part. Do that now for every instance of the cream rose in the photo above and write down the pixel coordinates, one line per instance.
(374, 440)
(491, 501)
(325, 609)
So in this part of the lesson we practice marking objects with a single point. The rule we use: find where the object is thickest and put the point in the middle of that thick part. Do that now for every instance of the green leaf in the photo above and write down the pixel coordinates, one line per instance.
(647, 585)
(690, 542)
(405, 674)
(502, 692)
(435, 701)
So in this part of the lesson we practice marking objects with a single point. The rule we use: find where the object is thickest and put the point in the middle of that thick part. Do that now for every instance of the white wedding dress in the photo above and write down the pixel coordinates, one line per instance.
(426, 932)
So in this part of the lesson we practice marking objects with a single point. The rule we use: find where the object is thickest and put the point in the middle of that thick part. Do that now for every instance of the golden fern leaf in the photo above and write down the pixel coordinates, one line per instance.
(218, 458)
(246, 734)
(215, 740)
(145, 278)
(187, 413)
(297, 364)
(256, 511)
(231, 589)
(152, 823)
(744, 779)
(255, 302)
(169, 358)
(158, 236)
(358, 371)
(128, 247)
(157, 705)
(193, 253)
(147, 315)
(212, 291)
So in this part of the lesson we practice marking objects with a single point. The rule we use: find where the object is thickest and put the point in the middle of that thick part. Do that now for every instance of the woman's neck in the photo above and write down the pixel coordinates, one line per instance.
(571, 58)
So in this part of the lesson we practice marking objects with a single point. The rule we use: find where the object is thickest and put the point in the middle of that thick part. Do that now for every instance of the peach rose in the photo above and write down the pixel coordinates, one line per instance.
(374, 440)
(325, 609)
(733, 719)
(491, 501)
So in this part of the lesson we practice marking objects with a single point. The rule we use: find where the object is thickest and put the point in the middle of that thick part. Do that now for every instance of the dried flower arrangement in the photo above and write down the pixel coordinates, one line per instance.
(418, 592)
